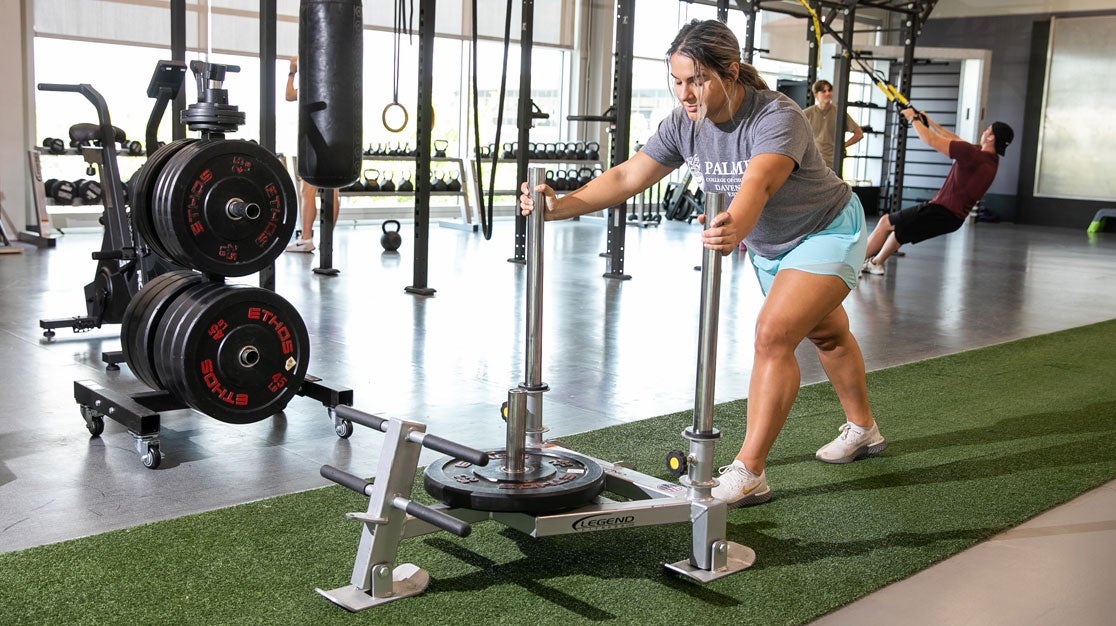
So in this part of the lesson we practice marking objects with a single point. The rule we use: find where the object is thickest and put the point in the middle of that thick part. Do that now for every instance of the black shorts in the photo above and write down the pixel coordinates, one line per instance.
(923, 221)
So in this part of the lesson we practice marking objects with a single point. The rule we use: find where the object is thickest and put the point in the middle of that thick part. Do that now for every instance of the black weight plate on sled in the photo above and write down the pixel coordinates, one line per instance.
(554, 481)
(192, 203)
(234, 352)
(142, 188)
(141, 320)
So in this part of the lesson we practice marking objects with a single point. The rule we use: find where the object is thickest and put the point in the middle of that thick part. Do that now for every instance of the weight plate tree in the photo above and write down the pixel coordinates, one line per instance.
(141, 320)
(225, 207)
(234, 352)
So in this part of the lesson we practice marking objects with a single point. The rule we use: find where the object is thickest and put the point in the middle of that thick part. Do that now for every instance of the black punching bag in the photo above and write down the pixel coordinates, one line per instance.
(330, 99)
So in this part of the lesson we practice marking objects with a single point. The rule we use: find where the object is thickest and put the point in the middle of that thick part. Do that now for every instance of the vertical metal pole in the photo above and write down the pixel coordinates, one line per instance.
(621, 133)
(523, 118)
(178, 53)
(751, 8)
(534, 311)
(707, 325)
(841, 95)
(325, 228)
(815, 50)
(268, 45)
(423, 123)
(702, 435)
(535, 176)
(905, 78)
(515, 457)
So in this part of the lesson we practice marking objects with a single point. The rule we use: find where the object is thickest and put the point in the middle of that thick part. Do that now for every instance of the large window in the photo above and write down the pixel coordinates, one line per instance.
(72, 50)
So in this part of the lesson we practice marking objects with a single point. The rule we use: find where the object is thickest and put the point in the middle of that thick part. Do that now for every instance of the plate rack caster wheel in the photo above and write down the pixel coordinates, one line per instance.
(96, 425)
(94, 421)
(343, 427)
(153, 458)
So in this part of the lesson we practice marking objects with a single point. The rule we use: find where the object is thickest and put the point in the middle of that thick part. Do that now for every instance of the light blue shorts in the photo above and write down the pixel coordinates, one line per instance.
(837, 250)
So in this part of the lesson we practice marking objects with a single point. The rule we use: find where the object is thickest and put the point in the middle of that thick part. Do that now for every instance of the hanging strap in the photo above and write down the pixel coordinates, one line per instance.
(486, 209)
(889, 90)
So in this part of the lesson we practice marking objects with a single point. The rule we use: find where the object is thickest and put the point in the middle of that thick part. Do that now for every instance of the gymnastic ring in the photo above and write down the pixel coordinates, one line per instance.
(384, 117)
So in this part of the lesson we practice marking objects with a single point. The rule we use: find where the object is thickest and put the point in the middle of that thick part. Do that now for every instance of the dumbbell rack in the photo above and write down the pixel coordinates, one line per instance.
(644, 500)
(40, 234)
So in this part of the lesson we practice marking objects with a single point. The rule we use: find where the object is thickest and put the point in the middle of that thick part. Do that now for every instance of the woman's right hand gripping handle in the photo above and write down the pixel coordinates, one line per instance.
(527, 203)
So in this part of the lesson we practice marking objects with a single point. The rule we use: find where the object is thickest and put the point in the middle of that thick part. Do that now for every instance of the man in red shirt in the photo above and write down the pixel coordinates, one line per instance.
(974, 169)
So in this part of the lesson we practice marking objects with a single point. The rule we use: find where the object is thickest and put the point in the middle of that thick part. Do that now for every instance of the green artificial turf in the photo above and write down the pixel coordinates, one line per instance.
(980, 441)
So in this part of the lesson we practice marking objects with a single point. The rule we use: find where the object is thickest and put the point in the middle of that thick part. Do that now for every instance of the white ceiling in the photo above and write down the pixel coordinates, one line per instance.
(975, 8)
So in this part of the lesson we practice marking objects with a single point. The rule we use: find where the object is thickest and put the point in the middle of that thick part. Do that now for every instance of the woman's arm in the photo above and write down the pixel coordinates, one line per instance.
(766, 173)
(614, 186)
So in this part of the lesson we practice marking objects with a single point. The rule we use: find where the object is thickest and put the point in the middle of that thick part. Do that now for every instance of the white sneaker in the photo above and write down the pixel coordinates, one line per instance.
(739, 487)
(301, 245)
(871, 268)
(853, 443)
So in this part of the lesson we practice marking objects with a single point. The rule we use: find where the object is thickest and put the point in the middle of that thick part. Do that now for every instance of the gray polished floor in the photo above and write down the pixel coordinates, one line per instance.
(613, 351)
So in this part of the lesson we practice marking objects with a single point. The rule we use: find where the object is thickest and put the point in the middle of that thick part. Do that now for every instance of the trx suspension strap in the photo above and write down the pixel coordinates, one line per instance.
(889, 90)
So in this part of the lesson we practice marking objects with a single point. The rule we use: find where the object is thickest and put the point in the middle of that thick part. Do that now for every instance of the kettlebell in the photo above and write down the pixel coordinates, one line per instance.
(371, 179)
(389, 182)
(438, 183)
(391, 239)
(406, 185)
(454, 183)
(584, 176)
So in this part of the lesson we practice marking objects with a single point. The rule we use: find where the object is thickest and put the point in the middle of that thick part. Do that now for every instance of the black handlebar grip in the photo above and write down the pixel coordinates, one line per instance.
(360, 417)
(345, 479)
(58, 87)
(447, 523)
(454, 449)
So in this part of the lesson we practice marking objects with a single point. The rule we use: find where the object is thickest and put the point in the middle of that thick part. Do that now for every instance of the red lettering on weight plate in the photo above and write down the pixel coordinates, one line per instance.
(225, 395)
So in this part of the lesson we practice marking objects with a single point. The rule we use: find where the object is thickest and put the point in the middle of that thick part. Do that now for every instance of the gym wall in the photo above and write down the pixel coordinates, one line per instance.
(1019, 48)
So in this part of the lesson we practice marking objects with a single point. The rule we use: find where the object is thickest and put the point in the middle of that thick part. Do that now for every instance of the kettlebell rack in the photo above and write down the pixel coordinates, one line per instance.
(453, 182)
(533, 486)
(562, 174)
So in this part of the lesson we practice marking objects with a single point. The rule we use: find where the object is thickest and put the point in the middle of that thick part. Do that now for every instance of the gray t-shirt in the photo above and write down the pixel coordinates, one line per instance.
(717, 154)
